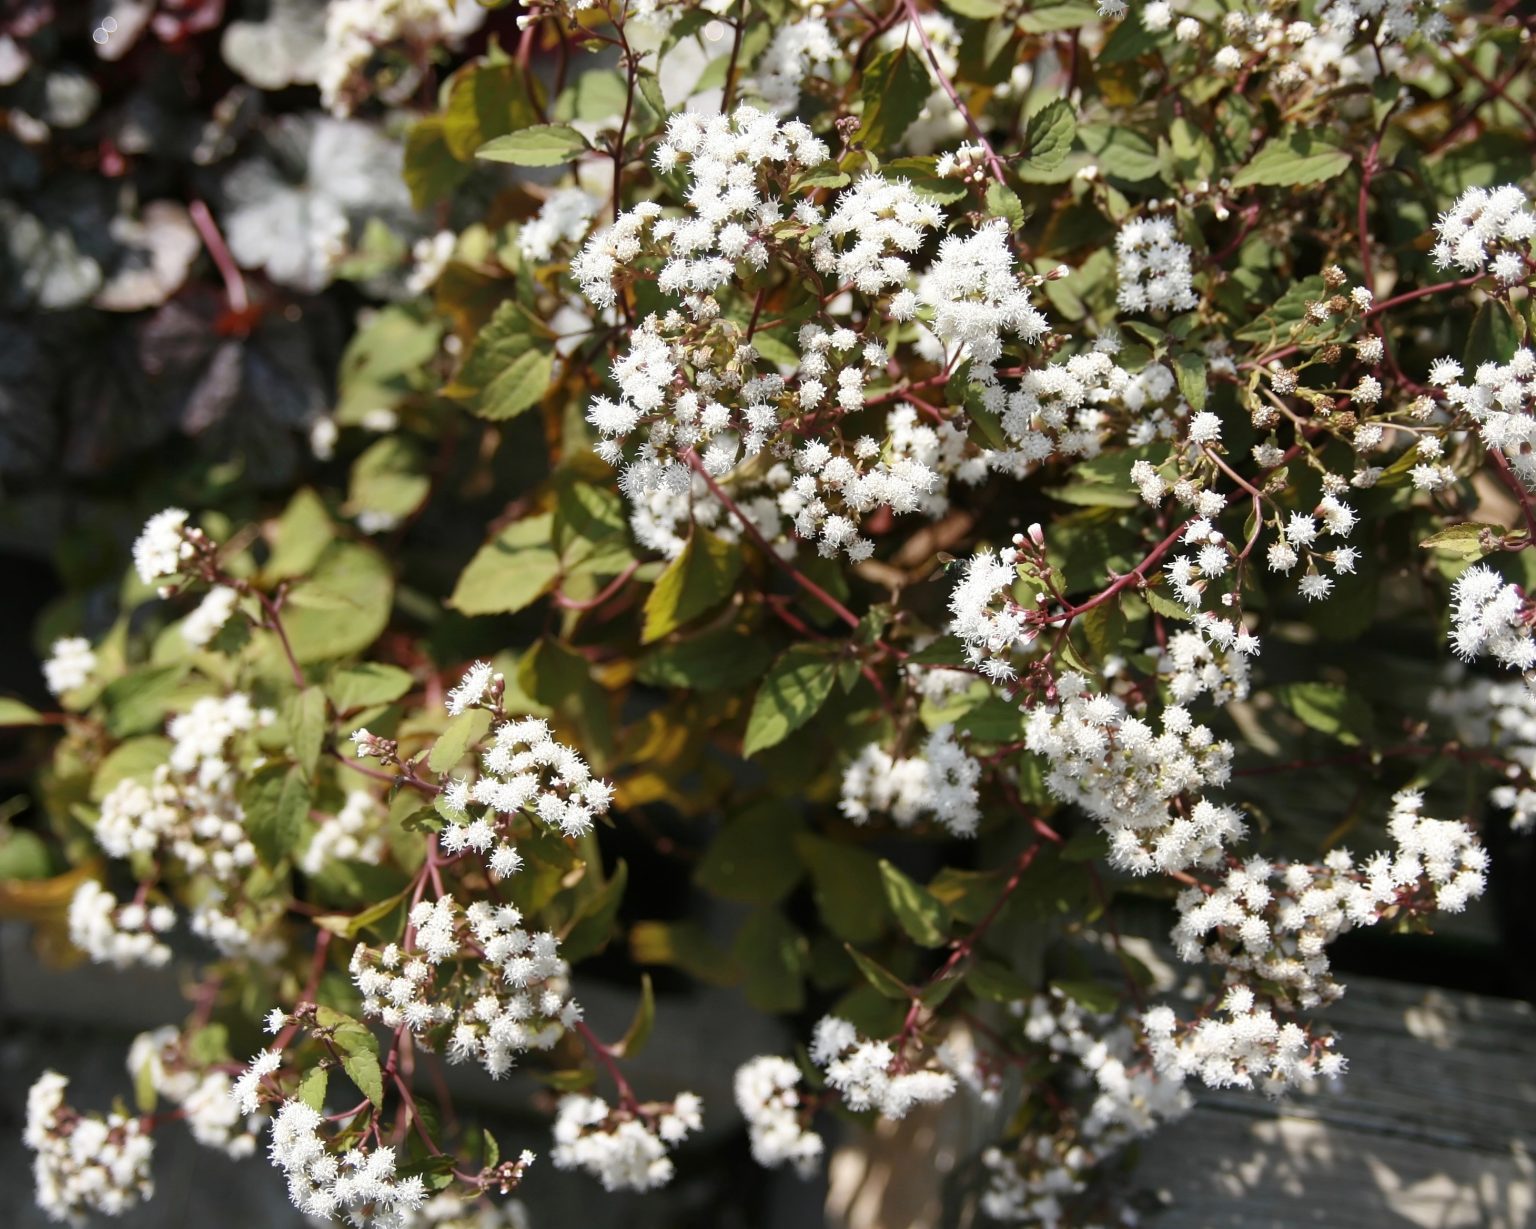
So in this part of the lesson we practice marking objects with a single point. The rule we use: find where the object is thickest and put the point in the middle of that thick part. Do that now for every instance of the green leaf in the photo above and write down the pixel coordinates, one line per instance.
(134, 759)
(1293, 158)
(1493, 337)
(979, 10)
(463, 732)
(312, 1087)
(1189, 367)
(1329, 709)
(139, 701)
(796, 687)
(541, 145)
(366, 684)
(342, 607)
(14, 712)
(593, 924)
(1090, 995)
(304, 715)
(719, 659)
(431, 172)
(351, 925)
(639, 1030)
(771, 953)
(24, 855)
(510, 572)
(390, 478)
(1052, 17)
(299, 537)
(1465, 541)
(878, 976)
(917, 910)
(847, 885)
(895, 88)
(685, 946)
(359, 1052)
(517, 387)
(276, 803)
(989, 980)
(696, 581)
(1049, 135)
(752, 858)
(1119, 152)
(1004, 202)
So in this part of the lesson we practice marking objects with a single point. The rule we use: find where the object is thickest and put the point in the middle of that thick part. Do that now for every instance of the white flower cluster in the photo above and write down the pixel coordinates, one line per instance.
(69, 664)
(210, 615)
(1153, 267)
(188, 813)
(797, 48)
(975, 294)
(162, 546)
(693, 390)
(110, 932)
(1129, 777)
(85, 1162)
(1249, 1048)
(1491, 617)
(941, 783)
(626, 1150)
(502, 989)
(1305, 531)
(1071, 408)
(564, 217)
(1487, 228)
(862, 1071)
(525, 769)
(1501, 716)
(356, 31)
(1501, 399)
(356, 833)
(1269, 924)
(768, 1096)
(1113, 1097)
(1193, 667)
(206, 1097)
(985, 617)
(364, 1187)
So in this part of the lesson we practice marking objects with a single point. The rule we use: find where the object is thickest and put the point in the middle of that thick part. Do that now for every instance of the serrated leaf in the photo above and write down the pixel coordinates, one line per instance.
(312, 1087)
(1003, 202)
(978, 10)
(1049, 135)
(275, 799)
(463, 732)
(917, 910)
(390, 477)
(794, 690)
(700, 578)
(1090, 995)
(540, 145)
(1493, 337)
(359, 1052)
(1295, 158)
(1465, 541)
(342, 606)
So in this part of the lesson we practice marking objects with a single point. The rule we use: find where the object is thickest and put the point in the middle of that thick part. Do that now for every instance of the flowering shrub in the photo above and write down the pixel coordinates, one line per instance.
(939, 471)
